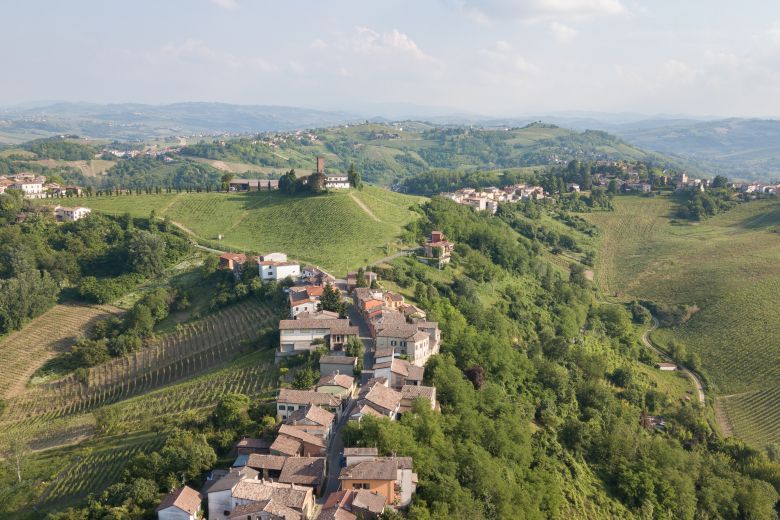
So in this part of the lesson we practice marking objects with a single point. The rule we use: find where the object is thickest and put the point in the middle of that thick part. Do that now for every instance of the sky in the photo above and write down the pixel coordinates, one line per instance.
(491, 57)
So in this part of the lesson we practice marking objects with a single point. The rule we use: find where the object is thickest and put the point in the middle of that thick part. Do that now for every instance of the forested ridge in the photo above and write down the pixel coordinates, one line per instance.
(541, 402)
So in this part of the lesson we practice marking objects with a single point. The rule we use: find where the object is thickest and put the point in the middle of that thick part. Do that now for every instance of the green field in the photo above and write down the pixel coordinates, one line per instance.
(333, 230)
(727, 266)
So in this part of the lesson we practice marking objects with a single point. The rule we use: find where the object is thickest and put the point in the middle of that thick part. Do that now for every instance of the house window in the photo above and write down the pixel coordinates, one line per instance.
(392, 343)
(360, 486)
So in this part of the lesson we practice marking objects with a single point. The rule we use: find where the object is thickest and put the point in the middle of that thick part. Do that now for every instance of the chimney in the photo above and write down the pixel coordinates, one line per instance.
(320, 164)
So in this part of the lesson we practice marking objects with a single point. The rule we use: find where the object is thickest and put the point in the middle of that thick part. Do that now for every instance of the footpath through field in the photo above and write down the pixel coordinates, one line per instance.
(693, 376)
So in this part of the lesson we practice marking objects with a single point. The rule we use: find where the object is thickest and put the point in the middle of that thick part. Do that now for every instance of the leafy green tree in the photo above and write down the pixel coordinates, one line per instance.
(232, 413)
(305, 378)
(356, 348)
(146, 253)
(331, 299)
(354, 177)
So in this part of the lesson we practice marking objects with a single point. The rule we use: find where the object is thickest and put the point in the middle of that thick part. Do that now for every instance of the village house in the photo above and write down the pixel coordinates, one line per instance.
(181, 504)
(313, 420)
(304, 335)
(298, 498)
(572, 187)
(232, 261)
(667, 367)
(342, 386)
(313, 275)
(411, 392)
(399, 372)
(29, 184)
(304, 471)
(290, 400)
(391, 477)
(310, 445)
(269, 467)
(353, 455)
(377, 399)
(417, 341)
(352, 504)
(642, 187)
(220, 498)
(352, 279)
(248, 445)
(305, 299)
(275, 267)
(337, 364)
(437, 250)
(264, 510)
(63, 214)
(333, 181)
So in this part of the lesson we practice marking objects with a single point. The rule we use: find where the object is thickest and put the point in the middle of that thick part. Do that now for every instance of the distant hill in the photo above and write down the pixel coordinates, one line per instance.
(130, 121)
(742, 148)
(389, 153)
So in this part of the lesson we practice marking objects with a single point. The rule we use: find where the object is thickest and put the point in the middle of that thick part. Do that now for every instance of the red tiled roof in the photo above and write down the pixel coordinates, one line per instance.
(186, 499)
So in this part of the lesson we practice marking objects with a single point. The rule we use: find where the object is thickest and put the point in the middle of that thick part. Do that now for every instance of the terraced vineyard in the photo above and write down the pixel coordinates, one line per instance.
(339, 236)
(728, 267)
(24, 351)
(93, 471)
(755, 416)
(196, 348)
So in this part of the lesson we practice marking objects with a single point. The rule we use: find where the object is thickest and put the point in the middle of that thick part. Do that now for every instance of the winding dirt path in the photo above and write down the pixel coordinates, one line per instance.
(364, 207)
(693, 376)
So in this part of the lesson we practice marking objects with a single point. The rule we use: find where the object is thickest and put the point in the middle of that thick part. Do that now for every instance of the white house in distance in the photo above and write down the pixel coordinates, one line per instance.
(275, 267)
(64, 214)
(181, 504)
(30, 185)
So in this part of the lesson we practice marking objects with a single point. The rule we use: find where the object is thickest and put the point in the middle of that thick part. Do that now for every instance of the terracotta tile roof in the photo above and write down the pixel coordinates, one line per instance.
(337, 360)
(400, 366)
(291, 396)
(335, 513)
(287, 431)
(371, 470)
(313, 413)
(366, 452)
(415, 373)
(258, 461)
(341, 380)
(365, 409)
(380, 395)
(317, 315)
(269, 506)
(232, 478)
(288, 446)
(186, 499)
(307, 471)
(368, 501)
(235, 257)
(384, 352)
(251, 443)
(313, 324)
(414, 391)
(285, 494)
(398, 330)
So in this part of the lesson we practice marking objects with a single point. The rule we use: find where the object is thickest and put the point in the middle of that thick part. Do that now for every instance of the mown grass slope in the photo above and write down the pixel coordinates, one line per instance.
(728, 266)
(332, 230)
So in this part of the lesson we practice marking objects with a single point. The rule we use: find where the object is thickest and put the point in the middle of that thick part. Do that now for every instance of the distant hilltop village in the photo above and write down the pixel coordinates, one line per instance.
(487, 199)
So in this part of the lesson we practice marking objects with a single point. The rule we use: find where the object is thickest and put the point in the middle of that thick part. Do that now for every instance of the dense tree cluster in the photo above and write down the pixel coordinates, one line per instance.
(541, 405)
(103, 257)
(64, 149)
(699, 205)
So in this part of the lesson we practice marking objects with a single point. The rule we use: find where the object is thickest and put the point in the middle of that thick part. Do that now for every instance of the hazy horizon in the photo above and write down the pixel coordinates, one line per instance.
(496, 58)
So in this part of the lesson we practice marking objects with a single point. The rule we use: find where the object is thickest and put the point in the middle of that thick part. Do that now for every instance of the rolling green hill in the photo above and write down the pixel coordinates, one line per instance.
(388, 153)
(727, 267)
(338, 231)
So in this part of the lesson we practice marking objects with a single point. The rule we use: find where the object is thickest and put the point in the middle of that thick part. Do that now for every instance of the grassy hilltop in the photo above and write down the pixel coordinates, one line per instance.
(337, 231)
(728, 267)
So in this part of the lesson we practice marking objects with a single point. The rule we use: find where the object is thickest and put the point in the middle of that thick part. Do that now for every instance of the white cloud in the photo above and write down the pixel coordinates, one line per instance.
(563, 33)
(501, 58)
(368, 41)
(225, 4)
(318, 44)
(677, 71)
(538, 10)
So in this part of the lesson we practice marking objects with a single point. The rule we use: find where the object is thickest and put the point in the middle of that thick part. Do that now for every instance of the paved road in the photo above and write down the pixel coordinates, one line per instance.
(693, 376)
(334, 455)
